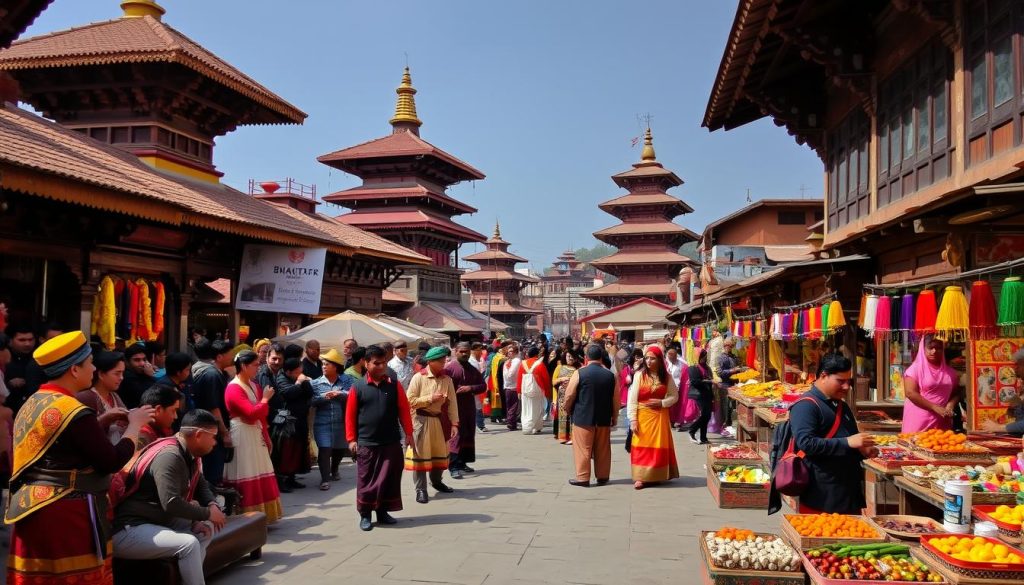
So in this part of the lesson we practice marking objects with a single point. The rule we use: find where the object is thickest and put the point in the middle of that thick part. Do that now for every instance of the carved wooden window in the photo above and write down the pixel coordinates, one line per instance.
(914, 150)
(993, 55)
(849, 196)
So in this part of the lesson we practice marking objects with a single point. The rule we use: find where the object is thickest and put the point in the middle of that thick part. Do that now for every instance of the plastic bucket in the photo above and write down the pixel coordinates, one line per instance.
(956, 515)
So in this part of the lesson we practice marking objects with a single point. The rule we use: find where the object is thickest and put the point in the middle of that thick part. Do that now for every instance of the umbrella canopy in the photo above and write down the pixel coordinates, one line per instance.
(334, 330)
(427, 334)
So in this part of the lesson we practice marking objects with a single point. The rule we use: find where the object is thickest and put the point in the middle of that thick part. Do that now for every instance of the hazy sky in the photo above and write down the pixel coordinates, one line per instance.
(543, 97)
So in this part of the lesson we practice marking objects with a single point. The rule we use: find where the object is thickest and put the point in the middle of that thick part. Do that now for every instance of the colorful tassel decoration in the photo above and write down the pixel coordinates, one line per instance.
(883, 316)
(870, 314)
(926, 313)
(1011, 306)
(953, 320)
(907, 313)
(894, 313)
(836, 319)
(982, 311)
(863, 311)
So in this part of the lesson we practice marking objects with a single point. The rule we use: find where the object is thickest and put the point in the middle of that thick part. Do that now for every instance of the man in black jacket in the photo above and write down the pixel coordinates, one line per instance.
(592, 401)
(170, 511)
(209, 380)
(289, 425)
(138, 375)
(269, 376)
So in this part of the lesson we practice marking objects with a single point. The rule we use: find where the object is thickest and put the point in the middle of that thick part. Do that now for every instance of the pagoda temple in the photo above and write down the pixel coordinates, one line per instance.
(403, 198)
(648, 258)
(495, 289)
(562, 285)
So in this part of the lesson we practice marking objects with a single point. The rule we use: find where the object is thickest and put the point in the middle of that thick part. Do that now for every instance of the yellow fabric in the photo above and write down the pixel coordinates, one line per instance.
(776, 357)
(145, 311)
(104, 314)
(59, 347)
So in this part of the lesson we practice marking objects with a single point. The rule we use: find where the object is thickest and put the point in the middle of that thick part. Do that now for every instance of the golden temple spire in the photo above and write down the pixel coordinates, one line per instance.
(405, 110)
(497, 230)
(140, 8)
(647, 155)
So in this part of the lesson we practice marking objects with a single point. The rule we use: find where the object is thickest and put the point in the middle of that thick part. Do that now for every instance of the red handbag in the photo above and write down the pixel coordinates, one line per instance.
(791, 475)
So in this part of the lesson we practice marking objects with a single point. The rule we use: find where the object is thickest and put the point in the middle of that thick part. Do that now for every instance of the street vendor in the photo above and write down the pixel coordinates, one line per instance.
(1016, 409)
(932, 389)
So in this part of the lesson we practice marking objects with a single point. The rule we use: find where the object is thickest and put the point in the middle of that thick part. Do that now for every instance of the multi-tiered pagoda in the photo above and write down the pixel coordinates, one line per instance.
(496, 287)
(648, 258)
(403, 198)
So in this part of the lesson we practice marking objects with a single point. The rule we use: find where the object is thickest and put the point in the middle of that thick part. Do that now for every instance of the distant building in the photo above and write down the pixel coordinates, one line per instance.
(561, 287)
(495, 289)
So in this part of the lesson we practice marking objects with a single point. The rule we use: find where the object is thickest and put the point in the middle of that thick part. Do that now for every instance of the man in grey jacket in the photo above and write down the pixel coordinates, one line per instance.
(171, 511)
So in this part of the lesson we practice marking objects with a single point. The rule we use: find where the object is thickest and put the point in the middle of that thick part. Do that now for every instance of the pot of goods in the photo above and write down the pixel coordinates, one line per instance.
(869, 562)
(735, 548)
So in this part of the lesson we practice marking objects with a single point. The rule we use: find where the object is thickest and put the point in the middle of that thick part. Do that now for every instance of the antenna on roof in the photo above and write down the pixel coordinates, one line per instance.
(406, 58)
(749, 200)
(803, 191)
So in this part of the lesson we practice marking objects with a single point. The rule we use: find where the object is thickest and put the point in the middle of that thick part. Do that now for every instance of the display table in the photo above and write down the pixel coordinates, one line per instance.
(767, 420)
(880, 492)
(918, 500)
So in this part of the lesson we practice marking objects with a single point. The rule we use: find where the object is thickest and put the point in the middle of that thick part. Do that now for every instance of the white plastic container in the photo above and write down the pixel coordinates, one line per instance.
(987, 529)
(956, 516)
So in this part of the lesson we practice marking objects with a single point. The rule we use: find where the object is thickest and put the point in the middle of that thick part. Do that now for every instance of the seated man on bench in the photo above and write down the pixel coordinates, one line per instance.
(168, 509)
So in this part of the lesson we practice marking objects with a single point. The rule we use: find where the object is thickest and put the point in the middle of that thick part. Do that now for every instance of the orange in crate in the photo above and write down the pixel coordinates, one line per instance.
(831, 526)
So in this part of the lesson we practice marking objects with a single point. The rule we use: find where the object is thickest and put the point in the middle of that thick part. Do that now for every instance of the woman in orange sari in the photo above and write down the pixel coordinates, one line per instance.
(652, 393)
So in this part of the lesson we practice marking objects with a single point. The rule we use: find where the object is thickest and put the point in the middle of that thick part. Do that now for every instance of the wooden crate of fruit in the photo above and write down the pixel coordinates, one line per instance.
(734, 454)
(719, 574)
(844, 564)
(900, 527)
(735, 494)
(974, 557)
(806, 531)
(1006, 518)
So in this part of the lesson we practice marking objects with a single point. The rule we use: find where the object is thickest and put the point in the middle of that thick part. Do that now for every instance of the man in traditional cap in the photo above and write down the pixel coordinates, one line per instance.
(468, 383)
(431, 392)
(377, 407)
(62, 465)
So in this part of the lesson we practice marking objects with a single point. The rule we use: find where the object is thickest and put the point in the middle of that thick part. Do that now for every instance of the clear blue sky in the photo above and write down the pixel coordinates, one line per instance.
(543, 97)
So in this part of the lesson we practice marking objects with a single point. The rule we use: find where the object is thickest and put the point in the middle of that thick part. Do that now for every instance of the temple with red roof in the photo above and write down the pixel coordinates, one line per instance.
(648, 258)
(495, 289)
(403, 198)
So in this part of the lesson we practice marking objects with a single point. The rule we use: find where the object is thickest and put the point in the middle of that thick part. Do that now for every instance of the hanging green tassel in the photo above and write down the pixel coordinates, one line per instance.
(1011, 307)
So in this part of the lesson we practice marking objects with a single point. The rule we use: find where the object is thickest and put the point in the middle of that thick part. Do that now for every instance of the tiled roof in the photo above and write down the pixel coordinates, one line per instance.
(640, 171)
(498, 275)
(657, 227)
(399, 144)
(450, 317)
(127, 185)
(646, 199)
(411, 219)
(653, 257)
(366, 195)
(140, 40)
(617, 289)
(16, 16)
(393, 297)
(494, 255)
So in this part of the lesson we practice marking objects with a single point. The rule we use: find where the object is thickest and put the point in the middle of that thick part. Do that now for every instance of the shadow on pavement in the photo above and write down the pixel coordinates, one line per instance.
(497, 470)
(438, 519)
(486, 493)
(276, 562)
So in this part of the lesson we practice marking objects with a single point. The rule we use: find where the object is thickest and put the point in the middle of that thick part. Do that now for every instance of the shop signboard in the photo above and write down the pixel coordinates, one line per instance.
(993, 379)
(281, 279)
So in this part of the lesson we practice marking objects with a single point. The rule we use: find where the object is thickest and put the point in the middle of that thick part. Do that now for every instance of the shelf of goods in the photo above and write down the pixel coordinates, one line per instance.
(973, 559)
(1007, 519)
(739, 486)
(852, 564)
(734, 454)
(718, 554)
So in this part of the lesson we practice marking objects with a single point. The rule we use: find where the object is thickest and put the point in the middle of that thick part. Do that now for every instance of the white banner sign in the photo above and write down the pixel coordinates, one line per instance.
(281, 279)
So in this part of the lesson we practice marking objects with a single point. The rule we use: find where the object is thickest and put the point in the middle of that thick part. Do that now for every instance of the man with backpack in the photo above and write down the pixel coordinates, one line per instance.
(163, 506)
(534, 385)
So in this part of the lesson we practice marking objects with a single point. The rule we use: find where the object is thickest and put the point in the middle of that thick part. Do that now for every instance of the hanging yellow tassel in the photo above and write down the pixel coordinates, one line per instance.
(836, 320)
(953, 320)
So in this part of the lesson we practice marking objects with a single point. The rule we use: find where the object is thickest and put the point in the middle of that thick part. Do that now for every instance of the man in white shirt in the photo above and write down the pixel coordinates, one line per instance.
(476, 360)
(402, 364)
(510, 379)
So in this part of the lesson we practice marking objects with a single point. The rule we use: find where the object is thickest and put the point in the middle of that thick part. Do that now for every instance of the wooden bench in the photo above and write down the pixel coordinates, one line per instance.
(242, 535)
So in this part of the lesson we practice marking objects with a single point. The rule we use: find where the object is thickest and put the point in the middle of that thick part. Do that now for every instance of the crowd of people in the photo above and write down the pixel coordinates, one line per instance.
(142, 453)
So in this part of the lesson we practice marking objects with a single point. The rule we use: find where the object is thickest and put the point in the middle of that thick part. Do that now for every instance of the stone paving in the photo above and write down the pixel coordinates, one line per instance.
(515, 521)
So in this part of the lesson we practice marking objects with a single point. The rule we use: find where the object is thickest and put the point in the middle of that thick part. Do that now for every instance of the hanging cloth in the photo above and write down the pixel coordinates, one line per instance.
(145, 318)
(982, 311)
(863, 312)
(870, 314)
(776, 358)
(883, 316)
(907, 313)
(104, 313)
(158, 310)
(752, 355)
(133, 312)
(836, 319)
(1011, 306)
(926, 313)
(124, 303)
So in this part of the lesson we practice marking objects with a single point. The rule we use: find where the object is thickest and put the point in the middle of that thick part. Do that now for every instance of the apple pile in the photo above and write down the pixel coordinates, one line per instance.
(871, 562)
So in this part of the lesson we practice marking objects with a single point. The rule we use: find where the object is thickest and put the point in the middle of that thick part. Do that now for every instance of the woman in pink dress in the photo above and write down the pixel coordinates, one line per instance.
(932, 389)
(250, 471)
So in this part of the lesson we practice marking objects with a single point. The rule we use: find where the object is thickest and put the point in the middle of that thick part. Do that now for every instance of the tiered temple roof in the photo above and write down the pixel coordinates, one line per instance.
(647, 239)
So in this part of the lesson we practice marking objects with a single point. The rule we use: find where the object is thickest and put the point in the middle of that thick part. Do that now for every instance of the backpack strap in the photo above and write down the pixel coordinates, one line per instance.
(791, 450)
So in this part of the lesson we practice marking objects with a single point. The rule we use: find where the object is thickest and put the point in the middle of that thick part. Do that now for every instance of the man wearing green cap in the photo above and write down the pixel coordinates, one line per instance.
(430, 393)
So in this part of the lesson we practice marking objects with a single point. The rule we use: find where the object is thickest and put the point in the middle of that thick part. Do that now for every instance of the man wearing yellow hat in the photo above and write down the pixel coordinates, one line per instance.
(62, 466)
(431, 392)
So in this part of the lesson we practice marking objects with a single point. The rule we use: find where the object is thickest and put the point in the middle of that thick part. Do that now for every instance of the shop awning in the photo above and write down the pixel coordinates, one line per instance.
(746, 286)
(450, 318)
(636, 315)
(332, 331)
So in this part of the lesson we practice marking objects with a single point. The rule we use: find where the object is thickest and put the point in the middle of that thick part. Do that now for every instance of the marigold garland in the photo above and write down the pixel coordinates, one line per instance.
(145, 321)
(158, 311)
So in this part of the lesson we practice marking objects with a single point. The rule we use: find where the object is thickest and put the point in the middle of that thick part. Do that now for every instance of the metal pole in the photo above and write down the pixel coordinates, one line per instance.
(487, 332)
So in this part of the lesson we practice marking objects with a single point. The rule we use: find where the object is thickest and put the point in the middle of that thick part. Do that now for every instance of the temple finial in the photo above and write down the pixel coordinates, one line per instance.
(140, 8)
(405, 118)
(497, 230)
(647, 155)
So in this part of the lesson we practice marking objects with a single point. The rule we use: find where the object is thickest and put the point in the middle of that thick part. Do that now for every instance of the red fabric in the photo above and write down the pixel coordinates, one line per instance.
(540, 374)
(752, 355)
(239, 405)
(352, 415)
(70, 559)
